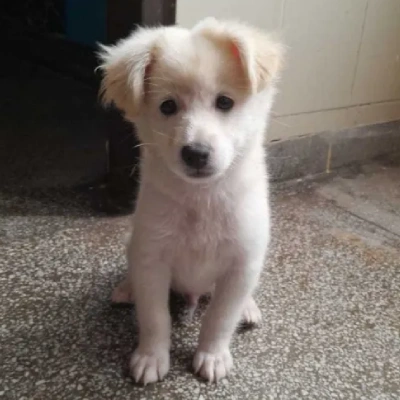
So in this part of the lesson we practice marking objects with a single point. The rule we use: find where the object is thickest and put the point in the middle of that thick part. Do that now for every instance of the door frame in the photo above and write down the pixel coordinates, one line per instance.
(156, 12)
(114, 191)
(118, 193)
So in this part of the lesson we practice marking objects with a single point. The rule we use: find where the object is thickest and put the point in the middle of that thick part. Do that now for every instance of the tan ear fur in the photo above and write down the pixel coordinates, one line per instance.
(124, 68)
(261, 57)
(268, 55)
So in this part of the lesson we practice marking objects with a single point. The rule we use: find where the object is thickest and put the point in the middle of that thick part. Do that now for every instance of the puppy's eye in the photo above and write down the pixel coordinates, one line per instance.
(224, 103)
(169, 107)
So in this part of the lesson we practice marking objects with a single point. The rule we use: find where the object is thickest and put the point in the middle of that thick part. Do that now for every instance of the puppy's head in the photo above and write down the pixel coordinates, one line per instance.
(200, 98)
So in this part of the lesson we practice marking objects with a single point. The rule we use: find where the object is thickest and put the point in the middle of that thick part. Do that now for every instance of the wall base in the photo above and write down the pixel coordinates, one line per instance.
(324, 152)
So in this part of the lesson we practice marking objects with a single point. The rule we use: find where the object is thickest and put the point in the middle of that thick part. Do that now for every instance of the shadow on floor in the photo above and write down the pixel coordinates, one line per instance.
(52, 136)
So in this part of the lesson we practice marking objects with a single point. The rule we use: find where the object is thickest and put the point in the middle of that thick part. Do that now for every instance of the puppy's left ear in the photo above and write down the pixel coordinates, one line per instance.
(257, 54)
(124, 68)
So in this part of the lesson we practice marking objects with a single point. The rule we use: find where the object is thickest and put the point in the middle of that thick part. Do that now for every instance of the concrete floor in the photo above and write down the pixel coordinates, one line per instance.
(330, 297)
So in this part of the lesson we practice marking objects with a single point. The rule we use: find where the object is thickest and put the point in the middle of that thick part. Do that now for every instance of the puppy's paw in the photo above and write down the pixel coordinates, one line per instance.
(122, 294)
(212, 366)
(251, 314)
(149, 367)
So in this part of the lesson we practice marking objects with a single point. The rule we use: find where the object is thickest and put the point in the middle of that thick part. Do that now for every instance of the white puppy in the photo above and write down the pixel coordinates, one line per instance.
(200, 100)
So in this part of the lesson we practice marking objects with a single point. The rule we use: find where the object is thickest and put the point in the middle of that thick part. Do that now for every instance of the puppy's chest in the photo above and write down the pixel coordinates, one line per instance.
(200, 234)
(199, 227)
(201, 248)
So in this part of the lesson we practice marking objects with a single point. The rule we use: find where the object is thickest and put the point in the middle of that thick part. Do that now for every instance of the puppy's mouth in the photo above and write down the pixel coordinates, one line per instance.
(200, 173)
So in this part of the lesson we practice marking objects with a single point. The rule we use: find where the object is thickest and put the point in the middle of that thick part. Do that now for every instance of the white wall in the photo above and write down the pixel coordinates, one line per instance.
(343, 64)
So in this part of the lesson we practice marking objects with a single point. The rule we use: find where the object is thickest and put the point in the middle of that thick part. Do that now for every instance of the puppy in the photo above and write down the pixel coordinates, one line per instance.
(200, 100)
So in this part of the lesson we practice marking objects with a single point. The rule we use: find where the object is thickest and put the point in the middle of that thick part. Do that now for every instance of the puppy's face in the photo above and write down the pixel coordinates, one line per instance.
(194, 107)
(199, 98)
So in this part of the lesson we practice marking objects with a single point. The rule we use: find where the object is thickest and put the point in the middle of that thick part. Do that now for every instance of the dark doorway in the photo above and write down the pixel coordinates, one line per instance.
(53, 133)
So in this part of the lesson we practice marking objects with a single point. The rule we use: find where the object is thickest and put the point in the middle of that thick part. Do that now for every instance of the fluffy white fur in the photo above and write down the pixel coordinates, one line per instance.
(195, 234)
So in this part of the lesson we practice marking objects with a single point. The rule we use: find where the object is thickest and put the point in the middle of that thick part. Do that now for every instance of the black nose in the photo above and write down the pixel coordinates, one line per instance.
(195, 155)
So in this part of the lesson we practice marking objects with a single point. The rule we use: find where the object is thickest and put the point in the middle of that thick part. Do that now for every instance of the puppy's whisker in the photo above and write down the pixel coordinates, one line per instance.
(153, 84)
(144, 145)
(152, 79)
(157, 92)
(174, 139)
(133, 170)
(160, 133)
(126, 138)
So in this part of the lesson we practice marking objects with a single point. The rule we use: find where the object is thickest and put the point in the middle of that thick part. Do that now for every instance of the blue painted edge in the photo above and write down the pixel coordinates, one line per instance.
(86, 21)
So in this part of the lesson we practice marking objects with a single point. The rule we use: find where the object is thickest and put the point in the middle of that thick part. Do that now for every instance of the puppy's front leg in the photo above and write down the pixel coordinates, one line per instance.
(213, 359)
(150, 361)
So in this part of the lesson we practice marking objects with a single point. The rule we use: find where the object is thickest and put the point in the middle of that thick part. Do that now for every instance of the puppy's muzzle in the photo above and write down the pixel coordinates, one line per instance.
(196, 157)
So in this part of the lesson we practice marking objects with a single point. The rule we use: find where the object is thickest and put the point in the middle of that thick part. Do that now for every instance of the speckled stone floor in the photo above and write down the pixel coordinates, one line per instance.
(330, 297)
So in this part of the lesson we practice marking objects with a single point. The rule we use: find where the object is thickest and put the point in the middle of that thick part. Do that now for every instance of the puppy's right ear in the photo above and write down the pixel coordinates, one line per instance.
(124, 68)
(259, 56)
